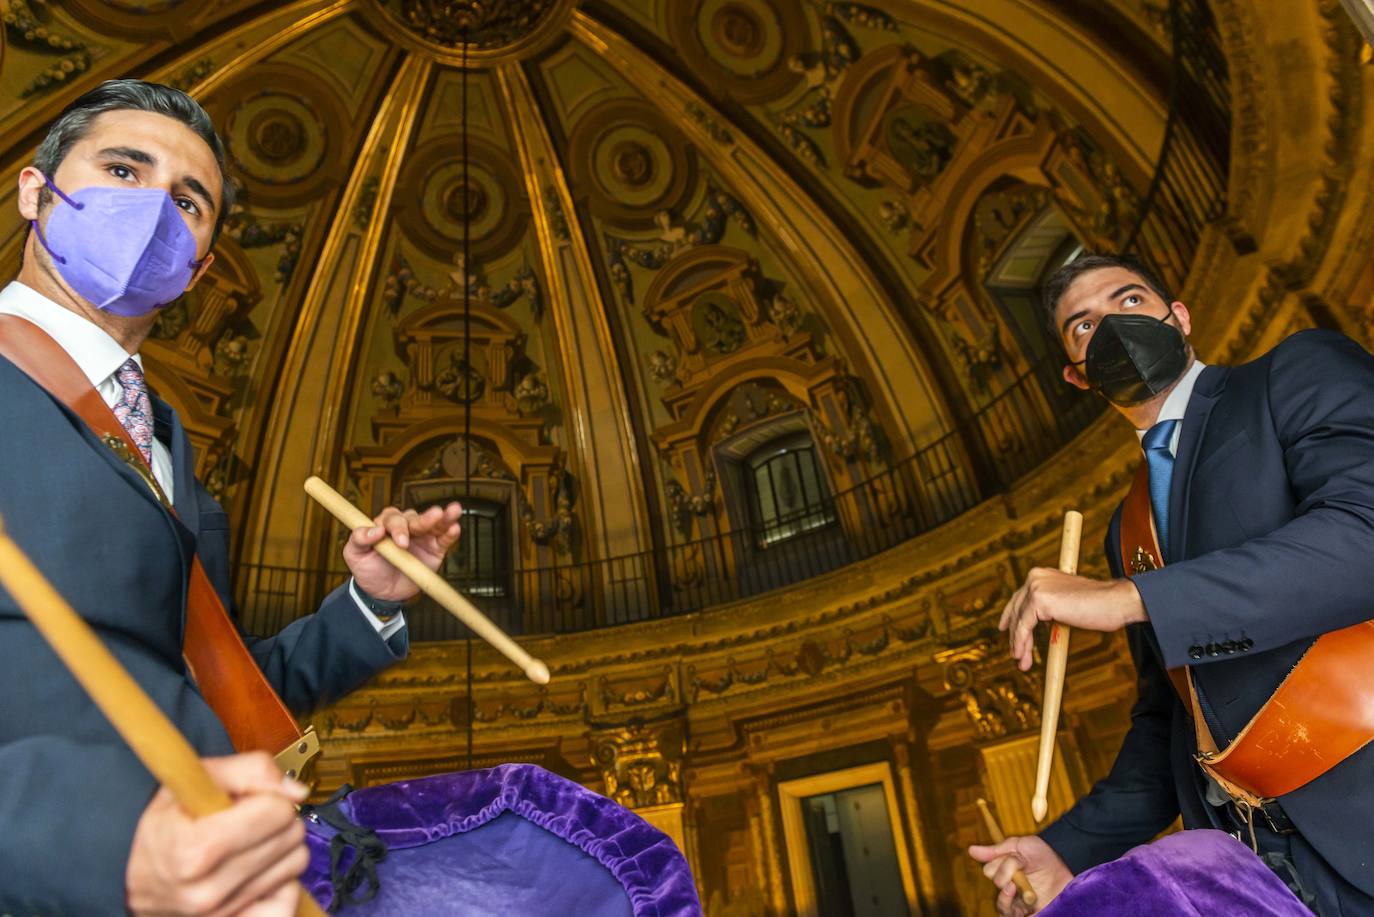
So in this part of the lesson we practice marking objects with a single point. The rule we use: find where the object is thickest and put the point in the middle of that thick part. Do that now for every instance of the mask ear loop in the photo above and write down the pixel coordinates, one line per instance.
(34, 223)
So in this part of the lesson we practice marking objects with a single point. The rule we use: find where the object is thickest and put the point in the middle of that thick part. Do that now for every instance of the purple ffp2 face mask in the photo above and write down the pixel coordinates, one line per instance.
(124, 250)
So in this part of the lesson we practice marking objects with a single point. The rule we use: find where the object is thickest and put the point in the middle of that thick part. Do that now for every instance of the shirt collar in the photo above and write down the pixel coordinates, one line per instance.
(95, 352)
(1176, 405)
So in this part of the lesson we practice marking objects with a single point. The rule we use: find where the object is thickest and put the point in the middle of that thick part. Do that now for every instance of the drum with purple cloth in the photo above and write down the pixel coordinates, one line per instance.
(1199, 872)
(509, 840)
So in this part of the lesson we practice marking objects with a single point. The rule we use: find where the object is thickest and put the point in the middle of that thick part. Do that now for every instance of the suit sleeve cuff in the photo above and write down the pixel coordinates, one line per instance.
(385, 629)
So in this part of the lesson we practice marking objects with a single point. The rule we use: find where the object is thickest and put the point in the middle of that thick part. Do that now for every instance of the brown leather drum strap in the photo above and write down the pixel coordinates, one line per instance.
(1321, 714)
(226, 674)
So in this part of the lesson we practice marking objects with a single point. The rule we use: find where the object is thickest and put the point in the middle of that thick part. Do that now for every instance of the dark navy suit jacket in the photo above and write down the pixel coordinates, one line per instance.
(70, 790)
(1271, 544)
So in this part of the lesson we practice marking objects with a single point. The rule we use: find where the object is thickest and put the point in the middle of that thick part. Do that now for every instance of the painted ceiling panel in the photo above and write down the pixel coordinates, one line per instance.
(694, 228)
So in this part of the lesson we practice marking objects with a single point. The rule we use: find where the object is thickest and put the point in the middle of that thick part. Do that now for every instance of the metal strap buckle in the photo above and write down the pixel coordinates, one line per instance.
(294, 758)
(1247, 815)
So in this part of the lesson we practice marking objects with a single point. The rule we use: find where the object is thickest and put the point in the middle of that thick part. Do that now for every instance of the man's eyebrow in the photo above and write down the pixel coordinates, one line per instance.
(1126, 289)
(199, 190)
(1064, 328)
(129, 153)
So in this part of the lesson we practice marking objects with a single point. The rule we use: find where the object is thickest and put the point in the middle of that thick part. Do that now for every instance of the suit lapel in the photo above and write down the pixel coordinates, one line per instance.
(167, 427)
(1205, 394)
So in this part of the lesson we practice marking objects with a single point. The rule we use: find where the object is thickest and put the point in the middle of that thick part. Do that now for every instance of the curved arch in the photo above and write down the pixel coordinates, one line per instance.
(670, 280)
(797, 378)
(1019, 158)
(516, 453)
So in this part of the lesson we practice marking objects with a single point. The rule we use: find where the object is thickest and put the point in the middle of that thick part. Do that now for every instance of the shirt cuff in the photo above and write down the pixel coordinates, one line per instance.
(385, 629)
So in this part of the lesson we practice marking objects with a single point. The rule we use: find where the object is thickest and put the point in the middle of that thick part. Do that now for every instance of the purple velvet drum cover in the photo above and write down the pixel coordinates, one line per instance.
(1199, 872)
(508, 840)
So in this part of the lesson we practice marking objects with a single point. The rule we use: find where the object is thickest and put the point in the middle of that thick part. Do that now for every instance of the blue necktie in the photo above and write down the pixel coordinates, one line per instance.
(1160, 461)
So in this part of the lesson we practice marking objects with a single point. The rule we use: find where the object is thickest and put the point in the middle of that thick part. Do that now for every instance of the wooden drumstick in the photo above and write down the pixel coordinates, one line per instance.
(1027, 893)
(430, 583)
(151, 736)
(1055, 662)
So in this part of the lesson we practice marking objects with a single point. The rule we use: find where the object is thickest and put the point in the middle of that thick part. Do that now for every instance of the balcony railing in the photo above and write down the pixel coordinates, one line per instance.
(1009, 437)
(1019, 429)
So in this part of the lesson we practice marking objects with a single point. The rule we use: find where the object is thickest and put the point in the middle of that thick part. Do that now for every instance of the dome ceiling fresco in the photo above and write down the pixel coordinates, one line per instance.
(693, 225)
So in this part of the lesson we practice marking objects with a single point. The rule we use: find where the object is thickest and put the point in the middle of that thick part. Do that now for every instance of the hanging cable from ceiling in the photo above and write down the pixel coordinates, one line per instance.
(468, 388)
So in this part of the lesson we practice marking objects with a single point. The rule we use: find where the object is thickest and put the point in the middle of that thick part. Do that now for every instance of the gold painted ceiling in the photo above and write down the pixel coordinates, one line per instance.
(694, 225)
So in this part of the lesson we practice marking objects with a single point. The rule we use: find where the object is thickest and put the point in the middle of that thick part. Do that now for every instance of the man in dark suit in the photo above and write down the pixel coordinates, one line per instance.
(130, 172)
(1266, 522)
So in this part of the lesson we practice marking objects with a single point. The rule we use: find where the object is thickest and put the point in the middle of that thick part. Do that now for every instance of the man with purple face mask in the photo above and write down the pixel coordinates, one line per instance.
(125, 199)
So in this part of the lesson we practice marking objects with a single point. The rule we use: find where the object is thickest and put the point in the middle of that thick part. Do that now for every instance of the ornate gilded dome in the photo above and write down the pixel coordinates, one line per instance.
(694, 229)
(750, 303)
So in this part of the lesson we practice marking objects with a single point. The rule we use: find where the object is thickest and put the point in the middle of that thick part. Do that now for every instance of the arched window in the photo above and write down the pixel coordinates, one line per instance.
(479, 565)
(787, 490)
(1044, 245)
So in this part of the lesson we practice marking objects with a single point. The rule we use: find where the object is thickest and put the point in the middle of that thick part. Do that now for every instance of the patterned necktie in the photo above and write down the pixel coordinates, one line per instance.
(1161, 464)
(134, 409)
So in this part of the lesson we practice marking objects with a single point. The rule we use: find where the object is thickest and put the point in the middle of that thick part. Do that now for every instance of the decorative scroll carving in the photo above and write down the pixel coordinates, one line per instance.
(641, 764)
(687, 505)
(484, 24)
(721, 206)
(33, 31)
(401, 281)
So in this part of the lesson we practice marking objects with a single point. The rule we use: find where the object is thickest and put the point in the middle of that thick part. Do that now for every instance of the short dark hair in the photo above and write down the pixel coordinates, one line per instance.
(1059, 282)
(136, 95)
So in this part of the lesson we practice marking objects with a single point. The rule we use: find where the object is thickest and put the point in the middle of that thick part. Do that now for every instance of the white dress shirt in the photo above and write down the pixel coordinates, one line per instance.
(1176, 405)
(99, 357)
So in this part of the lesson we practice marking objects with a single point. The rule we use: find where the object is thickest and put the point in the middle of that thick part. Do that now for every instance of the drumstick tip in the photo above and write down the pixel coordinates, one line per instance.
(537, 672)
(1039, 808)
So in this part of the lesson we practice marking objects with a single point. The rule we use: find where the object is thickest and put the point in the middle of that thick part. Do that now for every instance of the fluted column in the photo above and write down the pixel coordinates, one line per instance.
(775, 893)
(1009, 768)
(925, 873)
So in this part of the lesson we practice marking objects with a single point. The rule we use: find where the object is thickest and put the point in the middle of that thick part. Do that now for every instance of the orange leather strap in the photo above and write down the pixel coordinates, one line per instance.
(1321, 714)
(225, 672)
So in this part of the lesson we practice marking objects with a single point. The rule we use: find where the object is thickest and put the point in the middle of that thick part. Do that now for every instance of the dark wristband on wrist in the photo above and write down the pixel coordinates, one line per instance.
(383, 609)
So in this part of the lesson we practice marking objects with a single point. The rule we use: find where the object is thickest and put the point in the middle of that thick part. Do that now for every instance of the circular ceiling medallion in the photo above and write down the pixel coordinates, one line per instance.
(632, 162)
(435, 199)
(737, 29)
(283, 132)
(276, 137)
(135, 19)
(490, 28)
(742, 46)
(143, 7)
(632, 165)
(734, 35)
(447, 198)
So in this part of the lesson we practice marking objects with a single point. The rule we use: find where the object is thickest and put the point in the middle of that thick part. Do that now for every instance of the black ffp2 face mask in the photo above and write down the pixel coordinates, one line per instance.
(1132, 358)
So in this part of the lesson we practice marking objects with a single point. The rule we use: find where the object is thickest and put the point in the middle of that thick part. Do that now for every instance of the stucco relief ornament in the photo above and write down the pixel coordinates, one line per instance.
(387, 388)
(531, 395)
(784, 313)
(485, 23)
(231, 353)
(663, 367)
(893, 215)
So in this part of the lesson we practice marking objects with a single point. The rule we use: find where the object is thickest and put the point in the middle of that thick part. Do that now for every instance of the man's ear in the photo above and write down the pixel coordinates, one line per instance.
(1185, 319)
(1074, 377)
(30, 184)
(205, 263)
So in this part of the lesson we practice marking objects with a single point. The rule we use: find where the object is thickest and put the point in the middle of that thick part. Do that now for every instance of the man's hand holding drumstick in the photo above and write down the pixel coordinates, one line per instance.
(1059, 597)
(428, 535)
(1078, 601)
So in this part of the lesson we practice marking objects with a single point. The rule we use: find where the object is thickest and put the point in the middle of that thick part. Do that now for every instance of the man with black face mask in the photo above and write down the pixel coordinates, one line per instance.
(1247, 539)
